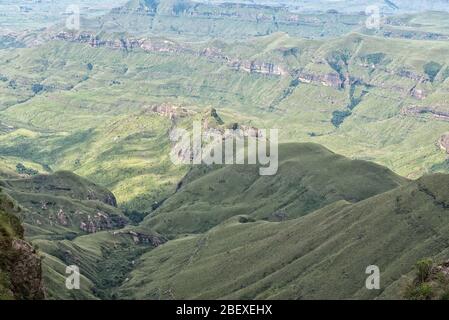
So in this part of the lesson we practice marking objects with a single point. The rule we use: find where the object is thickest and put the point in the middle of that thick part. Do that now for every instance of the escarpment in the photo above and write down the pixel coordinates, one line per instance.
(20, 265)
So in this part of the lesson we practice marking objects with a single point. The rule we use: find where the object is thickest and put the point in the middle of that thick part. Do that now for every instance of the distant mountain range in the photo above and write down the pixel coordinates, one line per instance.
(87, 125)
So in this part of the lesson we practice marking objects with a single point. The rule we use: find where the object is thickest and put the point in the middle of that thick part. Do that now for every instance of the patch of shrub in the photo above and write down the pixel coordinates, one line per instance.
(246, 220)
(422, 291)
(21, 169)
(424, 269)
(432, 69)
(338, 117)
(37, 87)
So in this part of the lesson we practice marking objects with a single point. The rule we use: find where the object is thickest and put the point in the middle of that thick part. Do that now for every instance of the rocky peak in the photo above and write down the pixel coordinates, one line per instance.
(170, 111)
(443, 142)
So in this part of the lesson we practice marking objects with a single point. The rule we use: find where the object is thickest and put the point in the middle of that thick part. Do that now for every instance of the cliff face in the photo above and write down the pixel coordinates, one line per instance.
(26, 272)
(167, 46)
(443, 142)
(64, 199)
(329, 80)
(436, 112)
(411, 83)
(20, 266)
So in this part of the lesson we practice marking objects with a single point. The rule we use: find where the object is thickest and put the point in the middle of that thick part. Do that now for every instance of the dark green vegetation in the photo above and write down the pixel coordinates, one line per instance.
(430, 283)
(86, 126)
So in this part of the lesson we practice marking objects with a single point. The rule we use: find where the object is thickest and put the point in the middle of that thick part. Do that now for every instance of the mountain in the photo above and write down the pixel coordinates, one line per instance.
(309, 177)
(277, 235)
(89, 121)
(206, 20)
(57, 207)
(71, 221)
(63, 205)
(322, 255)
(376, 103)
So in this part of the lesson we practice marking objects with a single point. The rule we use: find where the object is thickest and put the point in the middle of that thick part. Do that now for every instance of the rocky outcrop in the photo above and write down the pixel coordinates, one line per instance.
(418, 94)
(141, 238)
(106, 197)
(416, 35)
(149, 45)
(214, 53)
(170, 111)
(329, 79)
(6, 128)
(100, 222)
(26, 272)
(20, 265)
(167, 46)
(434, 111)
(213, 129)
(443, 142)
(410, 75)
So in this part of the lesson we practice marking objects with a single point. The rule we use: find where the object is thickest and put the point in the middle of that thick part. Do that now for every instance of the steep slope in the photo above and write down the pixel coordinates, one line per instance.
(63, 205)
(75, 222)
(384, 105)
(309, 177)
(20, 266)
(321, 255)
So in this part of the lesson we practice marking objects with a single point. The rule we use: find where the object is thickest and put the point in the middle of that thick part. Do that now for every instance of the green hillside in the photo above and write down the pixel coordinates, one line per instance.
(89, 121)
(309, 177)
(63, 205)
(276, 235)
(375, 103)
(73, 221)
(321, 255)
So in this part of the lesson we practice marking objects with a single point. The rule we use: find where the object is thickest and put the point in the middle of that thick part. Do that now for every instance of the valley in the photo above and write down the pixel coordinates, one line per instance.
(87, 126)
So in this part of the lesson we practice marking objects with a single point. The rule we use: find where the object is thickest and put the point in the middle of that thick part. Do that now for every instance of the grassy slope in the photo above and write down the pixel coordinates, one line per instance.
(104, 257)
(335, 210)
(321, 255)
(56, 205)
(307, 180)
(309, 177)
(43, 198)
(104, 135)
